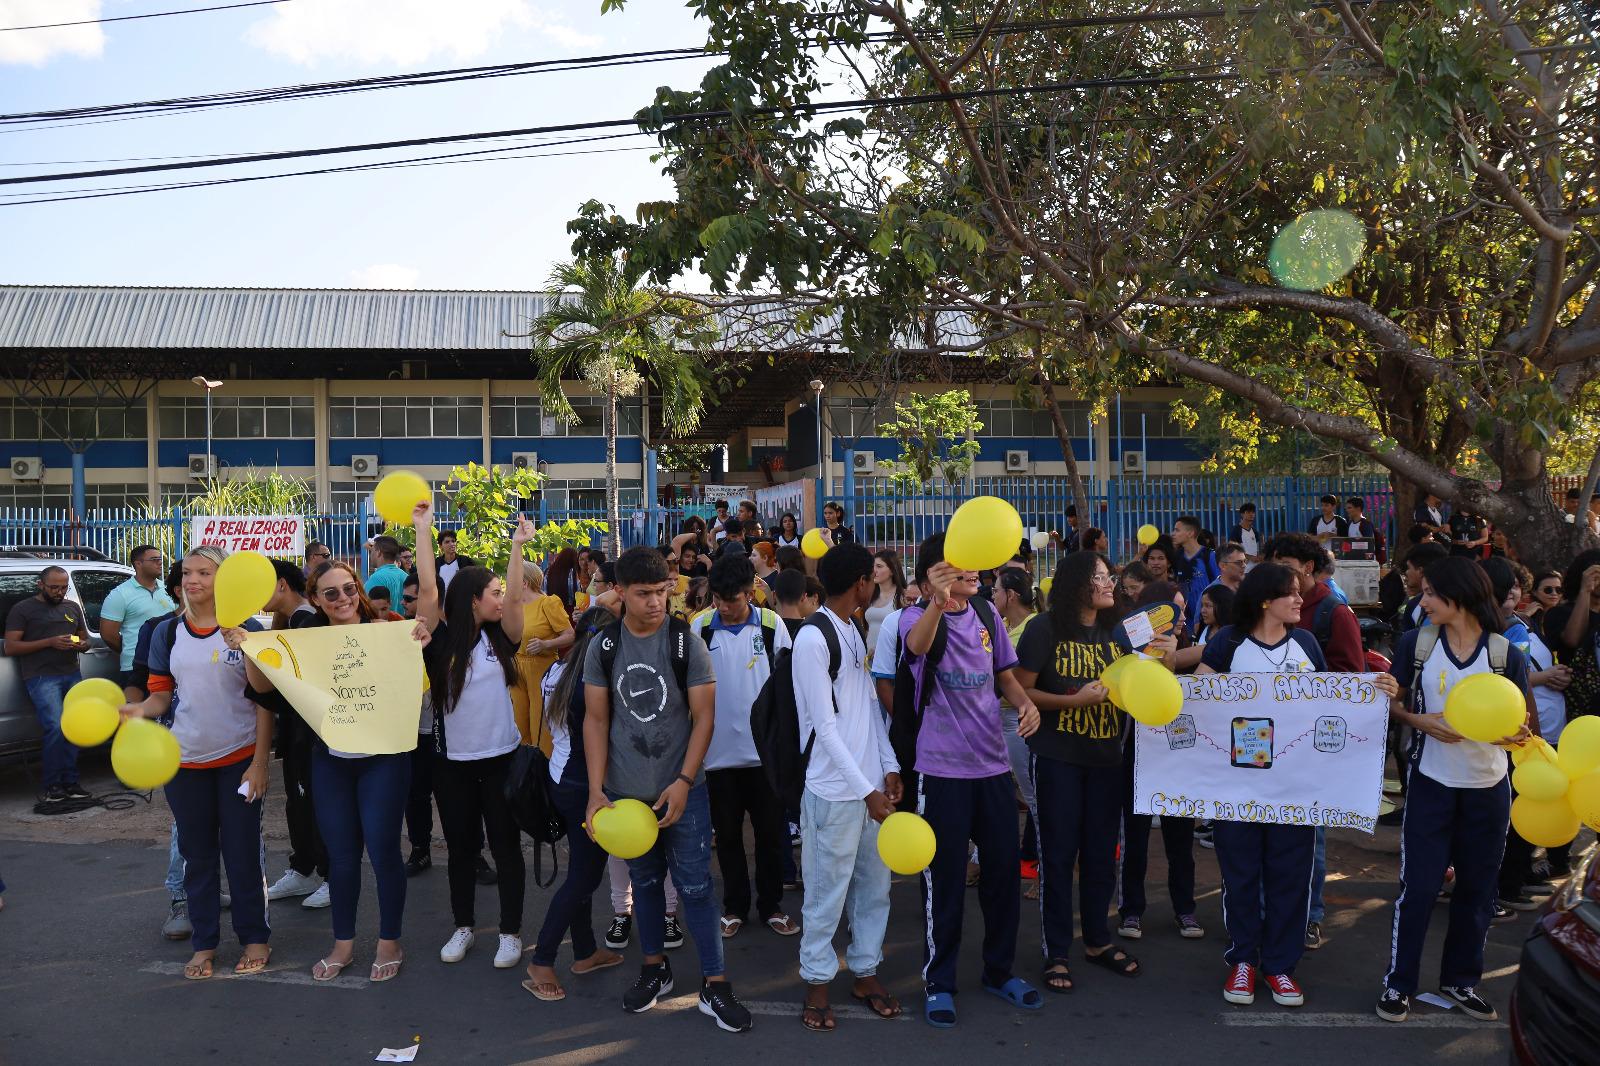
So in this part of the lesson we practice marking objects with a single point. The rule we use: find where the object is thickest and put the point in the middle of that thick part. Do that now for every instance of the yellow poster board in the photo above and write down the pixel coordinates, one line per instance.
(358, 687)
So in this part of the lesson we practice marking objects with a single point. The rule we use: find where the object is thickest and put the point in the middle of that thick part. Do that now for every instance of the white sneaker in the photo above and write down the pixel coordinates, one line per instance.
(456, 948)
(293, 884)
(509, 951)
(317, 899)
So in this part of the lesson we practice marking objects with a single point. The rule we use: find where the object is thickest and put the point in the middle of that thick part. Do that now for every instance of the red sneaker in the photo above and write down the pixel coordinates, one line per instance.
(1285, 993)
(1030, 870)
(1241, 984)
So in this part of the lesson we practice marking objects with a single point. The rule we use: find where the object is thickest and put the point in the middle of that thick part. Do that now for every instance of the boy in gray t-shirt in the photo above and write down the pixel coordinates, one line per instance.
(647, 724)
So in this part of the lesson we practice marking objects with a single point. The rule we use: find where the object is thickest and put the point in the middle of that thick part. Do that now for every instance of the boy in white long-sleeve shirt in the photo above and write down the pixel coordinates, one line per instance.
(852, 784)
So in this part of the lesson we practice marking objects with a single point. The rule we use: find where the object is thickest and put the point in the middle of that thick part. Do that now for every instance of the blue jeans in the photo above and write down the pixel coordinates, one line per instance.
(1319, 875)
(217, 827)
(59, 757)
(362, 800)
(685, 848)
(842, 869)
(572, 906)
(175, 868)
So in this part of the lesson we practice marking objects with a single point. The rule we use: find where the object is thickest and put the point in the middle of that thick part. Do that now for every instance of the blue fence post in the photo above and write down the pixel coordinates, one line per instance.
(850, 486)
(79, 492)
(177, 533)
(361, 532)
(651, 504)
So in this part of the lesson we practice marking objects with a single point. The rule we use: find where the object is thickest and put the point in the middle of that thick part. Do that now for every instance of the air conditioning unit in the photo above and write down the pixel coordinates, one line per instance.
(1016, 461)
(27, 468)
(202, 465)
(525, 461)
(363, 466)
(1133, 462)
(865, 463)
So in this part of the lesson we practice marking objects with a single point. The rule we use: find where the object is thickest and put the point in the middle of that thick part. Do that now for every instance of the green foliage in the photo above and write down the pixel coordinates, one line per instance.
(684, 458)
(486, 501)
(254, 491)
(934, 435)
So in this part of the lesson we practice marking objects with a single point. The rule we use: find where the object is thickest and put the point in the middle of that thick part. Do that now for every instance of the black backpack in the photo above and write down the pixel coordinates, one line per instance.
(528, 792)
(909, 703)
(677, 644)
(775, 718)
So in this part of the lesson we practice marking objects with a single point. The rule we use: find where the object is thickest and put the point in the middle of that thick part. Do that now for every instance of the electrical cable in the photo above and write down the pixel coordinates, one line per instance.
(135, 18)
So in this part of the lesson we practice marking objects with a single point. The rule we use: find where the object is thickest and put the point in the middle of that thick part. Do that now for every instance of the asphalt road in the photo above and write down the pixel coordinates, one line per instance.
(86, 978)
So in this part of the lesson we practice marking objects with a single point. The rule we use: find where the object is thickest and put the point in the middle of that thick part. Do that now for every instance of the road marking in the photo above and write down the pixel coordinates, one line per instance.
(777, 1008)
(269, 977)
(1346, 1020)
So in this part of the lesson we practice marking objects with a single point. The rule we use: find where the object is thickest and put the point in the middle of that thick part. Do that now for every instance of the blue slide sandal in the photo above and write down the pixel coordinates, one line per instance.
(1018, 993)
(940, 1010)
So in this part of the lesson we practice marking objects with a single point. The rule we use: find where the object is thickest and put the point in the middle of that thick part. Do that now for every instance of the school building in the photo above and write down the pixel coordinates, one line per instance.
(105, 393)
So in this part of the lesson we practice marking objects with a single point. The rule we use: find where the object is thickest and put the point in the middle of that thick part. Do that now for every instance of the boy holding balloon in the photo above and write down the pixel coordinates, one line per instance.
(1458, 803)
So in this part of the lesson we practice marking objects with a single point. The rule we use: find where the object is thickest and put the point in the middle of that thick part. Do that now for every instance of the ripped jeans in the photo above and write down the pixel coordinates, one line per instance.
(685, 848)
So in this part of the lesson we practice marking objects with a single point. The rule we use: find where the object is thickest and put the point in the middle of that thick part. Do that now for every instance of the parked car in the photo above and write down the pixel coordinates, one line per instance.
(92, 579)
(1555, 1008)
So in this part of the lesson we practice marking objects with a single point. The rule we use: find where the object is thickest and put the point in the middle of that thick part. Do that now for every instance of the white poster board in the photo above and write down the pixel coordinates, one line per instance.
(773, 500)
(1292, 749)
(279, 535)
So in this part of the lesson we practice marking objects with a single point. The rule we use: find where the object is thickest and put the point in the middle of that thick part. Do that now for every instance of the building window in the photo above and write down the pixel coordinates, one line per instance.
(524, 416)
(405, 416)
(75, 418)
(237, 417)
(1008, 418)
(1152, 420)
(587, 496)
(110, 496)
(853, 416)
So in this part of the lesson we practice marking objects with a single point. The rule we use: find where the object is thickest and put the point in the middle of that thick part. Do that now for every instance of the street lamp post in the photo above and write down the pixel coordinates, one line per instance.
(822, 462)
(207, 384)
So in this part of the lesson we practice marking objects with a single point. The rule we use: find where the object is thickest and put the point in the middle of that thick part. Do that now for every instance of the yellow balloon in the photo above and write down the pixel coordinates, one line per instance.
(1148, 534)
(1544, 823)
(1536, 749)
(144, 755)
(1583, 795)
(815, 543)
(245, 582)
(1485, 707)
(88, 721)
(94, 688)
(1579, 749)
(1111, 676)
(1045, 585)
(1538, 780)
(906, 843)
(398, 494)
(1150, 693)
(984, 533)
(626, 830)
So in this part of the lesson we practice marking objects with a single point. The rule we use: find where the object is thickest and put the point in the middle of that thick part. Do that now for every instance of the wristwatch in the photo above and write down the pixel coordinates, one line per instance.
(686, 779)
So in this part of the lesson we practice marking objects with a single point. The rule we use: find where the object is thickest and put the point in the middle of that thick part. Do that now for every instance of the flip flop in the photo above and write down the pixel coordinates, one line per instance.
(1017, 992)
(198, 971)
(378, 976)
(731, 925)
(942, 1004)
(783, 925)
(330, 970)
(824, 1023)
(1126, 966)
(246, 966)
(533, 988)
(880, 1003)
(615, 960)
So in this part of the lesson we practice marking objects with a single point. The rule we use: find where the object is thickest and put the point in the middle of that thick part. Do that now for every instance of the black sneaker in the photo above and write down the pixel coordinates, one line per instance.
(620, 932)
(419, 860)
(1313, 936)
(75, 791)
(1519, 903)
(672, 933)
(655, 981)
(718, 1001)
(1538, 889)
(1393, 1007)
(53, 794)
(486, 874)
(1502, 914)
(1469, 1000)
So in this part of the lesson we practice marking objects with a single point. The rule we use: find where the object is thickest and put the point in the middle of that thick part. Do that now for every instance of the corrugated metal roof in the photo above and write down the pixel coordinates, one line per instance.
(100, 318)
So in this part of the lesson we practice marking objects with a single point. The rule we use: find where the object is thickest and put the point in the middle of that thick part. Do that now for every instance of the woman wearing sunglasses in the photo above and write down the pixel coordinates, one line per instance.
(360, 799)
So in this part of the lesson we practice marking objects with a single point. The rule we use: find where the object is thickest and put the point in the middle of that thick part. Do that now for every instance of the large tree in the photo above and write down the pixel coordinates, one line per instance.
(606, 329)
(1096, 185)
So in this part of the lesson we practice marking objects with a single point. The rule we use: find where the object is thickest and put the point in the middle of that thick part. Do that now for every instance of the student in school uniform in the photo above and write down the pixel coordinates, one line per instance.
(1458, 805)
(1266, 868)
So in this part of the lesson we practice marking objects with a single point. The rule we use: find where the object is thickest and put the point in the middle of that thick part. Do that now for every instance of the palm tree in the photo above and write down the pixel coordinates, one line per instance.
(607, 330)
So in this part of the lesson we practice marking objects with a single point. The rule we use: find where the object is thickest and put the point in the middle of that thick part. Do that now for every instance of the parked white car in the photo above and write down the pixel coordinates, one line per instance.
(92, 580)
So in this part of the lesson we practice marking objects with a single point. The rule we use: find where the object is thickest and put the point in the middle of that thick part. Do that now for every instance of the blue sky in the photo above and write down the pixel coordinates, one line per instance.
(490, 225)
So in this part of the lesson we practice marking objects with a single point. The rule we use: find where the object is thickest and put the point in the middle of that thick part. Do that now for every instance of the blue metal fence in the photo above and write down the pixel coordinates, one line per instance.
(881, 516)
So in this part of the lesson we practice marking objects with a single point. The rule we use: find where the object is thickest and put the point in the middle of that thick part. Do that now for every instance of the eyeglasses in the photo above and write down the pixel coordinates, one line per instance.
(1103, 579)
(408, 599)
(1549, 590)
(334, 594)
(320, 555)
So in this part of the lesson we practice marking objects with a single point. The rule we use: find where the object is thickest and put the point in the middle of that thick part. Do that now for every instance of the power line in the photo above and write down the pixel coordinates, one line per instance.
(820, 107)
(151, 15)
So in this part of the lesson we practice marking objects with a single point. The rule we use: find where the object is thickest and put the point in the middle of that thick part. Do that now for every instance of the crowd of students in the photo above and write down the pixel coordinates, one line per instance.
(970, 698)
